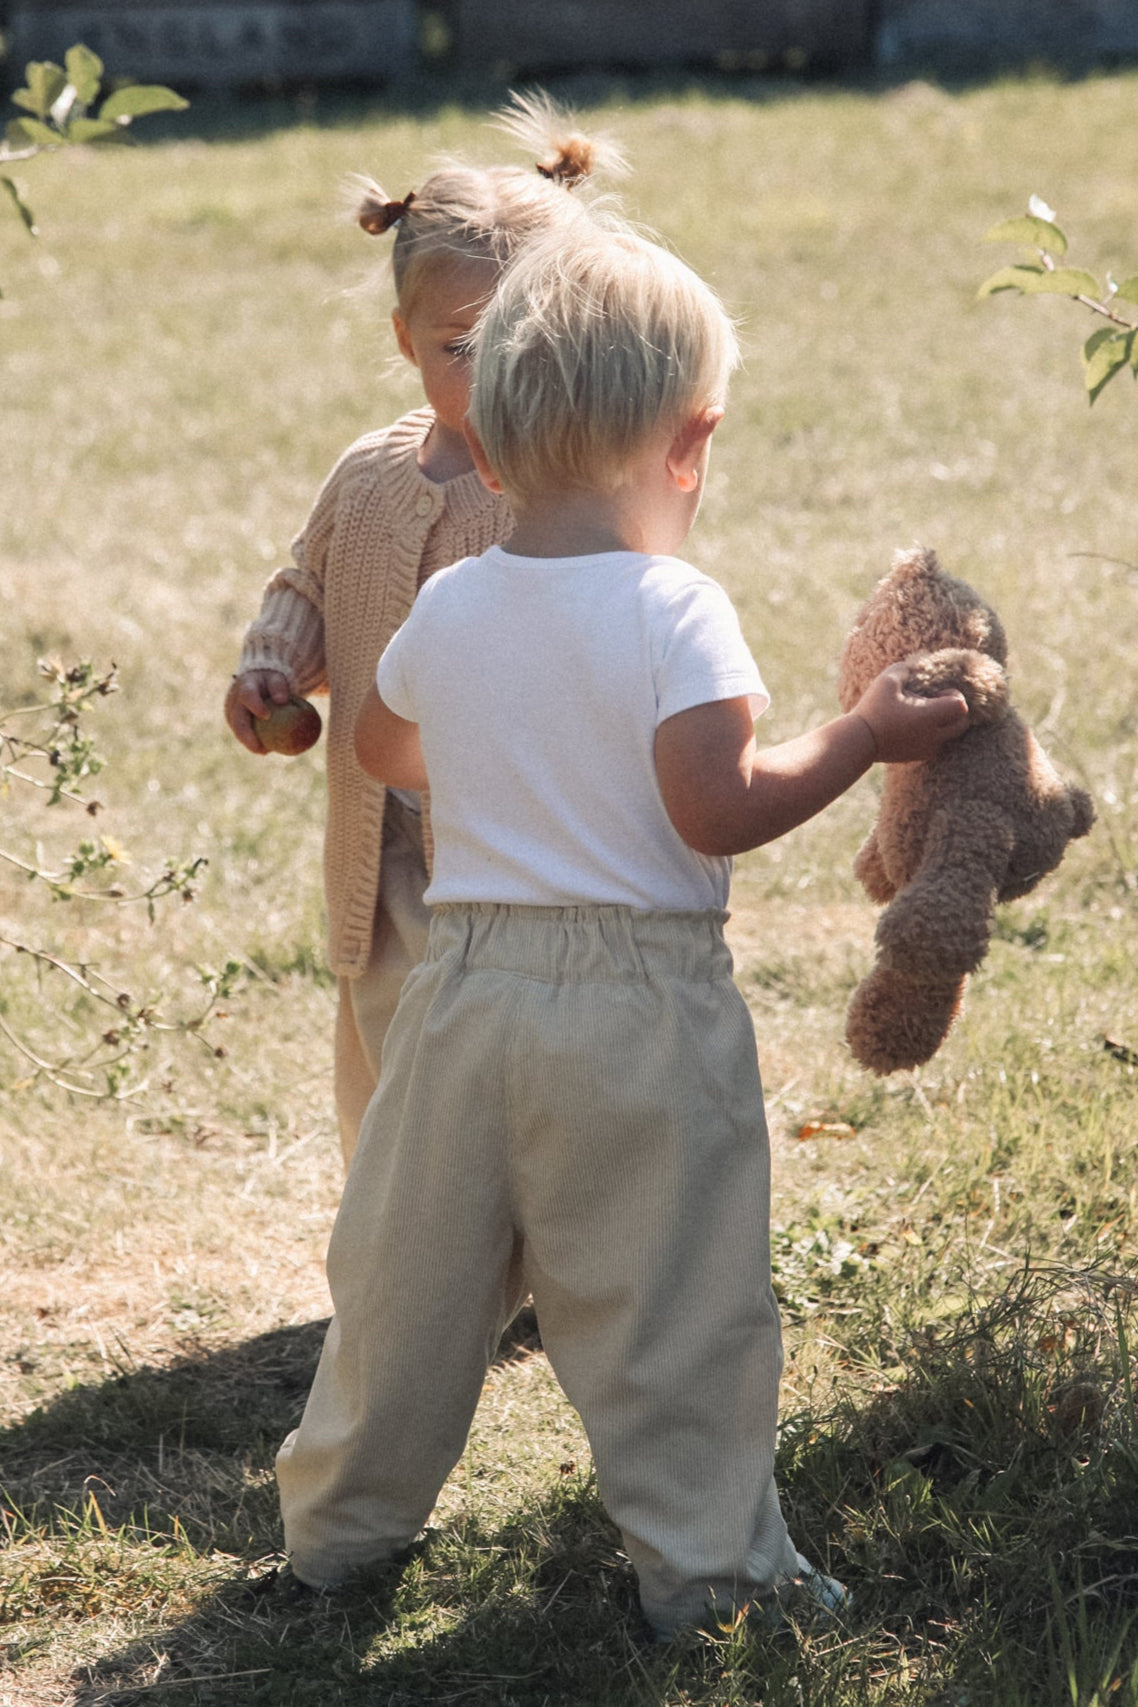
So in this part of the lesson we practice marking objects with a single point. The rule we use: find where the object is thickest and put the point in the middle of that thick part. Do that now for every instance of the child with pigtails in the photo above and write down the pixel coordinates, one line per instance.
(399, 504)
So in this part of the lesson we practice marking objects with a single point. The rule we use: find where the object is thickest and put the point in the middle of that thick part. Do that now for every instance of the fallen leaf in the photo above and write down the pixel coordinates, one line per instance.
(826, 1129)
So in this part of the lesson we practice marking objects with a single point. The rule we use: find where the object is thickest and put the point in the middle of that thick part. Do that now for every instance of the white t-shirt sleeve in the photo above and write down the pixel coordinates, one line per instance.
(393, 675)
(703, 656)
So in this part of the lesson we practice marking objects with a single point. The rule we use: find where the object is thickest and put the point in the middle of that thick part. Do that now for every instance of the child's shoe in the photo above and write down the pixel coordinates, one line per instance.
(307, 1587)
(809, 1597)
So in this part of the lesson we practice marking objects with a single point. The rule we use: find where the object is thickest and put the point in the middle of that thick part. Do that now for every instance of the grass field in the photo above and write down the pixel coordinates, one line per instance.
(193, 339)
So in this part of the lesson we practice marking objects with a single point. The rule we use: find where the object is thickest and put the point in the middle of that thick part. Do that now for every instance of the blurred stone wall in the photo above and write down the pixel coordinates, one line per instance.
(221, 43)
(195, 43)
(953, 35)
(732, 35)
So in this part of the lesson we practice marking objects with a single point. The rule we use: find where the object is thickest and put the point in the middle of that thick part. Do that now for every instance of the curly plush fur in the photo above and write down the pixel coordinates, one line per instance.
(982, 822)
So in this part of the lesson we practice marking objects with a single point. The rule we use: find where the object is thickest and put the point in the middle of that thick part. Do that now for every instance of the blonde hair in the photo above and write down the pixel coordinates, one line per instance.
(485, 213)
(585, 348)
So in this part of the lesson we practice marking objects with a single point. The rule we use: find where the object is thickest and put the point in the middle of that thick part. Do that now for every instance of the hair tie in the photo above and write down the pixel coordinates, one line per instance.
(378, 217)
(566, 170)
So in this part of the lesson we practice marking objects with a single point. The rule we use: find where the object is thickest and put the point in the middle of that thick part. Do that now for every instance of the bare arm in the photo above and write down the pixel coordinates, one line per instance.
(724, 795)
(387, 746)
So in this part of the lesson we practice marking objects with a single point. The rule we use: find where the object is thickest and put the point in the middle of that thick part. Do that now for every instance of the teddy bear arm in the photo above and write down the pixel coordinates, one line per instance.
(869, 869)
(934, 932)
(978, 677)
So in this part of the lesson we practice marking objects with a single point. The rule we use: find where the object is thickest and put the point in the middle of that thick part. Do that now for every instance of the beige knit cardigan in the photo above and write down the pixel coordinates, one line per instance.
(378, 529)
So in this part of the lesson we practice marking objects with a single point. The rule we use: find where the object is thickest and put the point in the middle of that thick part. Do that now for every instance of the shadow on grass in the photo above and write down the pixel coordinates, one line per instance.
(224, 1399)
(982, 1490)
(178, 1464)
(244, 115)
(976, 1486)
(152, 1429)
(254, 114)
(538, 1611)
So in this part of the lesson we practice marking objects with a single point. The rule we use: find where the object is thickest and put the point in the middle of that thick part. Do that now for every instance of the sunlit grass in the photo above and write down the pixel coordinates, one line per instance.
(184, 354)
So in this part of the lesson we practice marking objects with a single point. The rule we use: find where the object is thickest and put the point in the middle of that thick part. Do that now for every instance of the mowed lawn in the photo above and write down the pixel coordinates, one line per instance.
(195, 336)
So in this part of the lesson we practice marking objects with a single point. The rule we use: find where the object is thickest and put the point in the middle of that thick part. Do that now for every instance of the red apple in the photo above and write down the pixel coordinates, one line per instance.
(290, 728)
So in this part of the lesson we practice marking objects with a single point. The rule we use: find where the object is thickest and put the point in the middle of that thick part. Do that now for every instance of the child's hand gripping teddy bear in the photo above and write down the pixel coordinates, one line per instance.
(981, 822)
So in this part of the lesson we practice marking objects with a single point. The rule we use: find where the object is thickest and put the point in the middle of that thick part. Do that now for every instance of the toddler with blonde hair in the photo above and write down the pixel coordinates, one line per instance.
(399, 504)
(570, 1098)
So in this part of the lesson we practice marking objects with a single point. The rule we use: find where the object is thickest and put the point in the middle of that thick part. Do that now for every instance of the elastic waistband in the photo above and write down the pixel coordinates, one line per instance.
(581, 945)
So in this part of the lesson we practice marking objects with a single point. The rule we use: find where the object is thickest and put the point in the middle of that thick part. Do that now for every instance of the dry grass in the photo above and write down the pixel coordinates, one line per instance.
(182, 360)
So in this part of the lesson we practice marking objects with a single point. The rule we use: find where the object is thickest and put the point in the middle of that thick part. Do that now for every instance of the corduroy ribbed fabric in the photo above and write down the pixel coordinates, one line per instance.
(378, 530)
(570, 1102)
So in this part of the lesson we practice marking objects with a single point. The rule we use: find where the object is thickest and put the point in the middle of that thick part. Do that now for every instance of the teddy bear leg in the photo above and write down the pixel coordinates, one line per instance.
(900, 1019)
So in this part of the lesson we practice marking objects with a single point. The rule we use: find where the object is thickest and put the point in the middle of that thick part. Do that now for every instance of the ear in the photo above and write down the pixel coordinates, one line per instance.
(403, 337)
(474, 443)
(687, 447)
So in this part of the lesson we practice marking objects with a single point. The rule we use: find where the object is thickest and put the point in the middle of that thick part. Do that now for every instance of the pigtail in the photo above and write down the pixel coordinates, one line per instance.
(487, 212)
(565, 154)
(375, 212)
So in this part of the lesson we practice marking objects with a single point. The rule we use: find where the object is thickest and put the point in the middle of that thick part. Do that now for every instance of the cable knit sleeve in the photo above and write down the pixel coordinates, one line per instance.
(287, 635)
(288, 631)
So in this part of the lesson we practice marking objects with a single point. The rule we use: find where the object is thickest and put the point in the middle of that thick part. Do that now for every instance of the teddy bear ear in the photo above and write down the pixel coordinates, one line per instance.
(917, 560)
(943, 605)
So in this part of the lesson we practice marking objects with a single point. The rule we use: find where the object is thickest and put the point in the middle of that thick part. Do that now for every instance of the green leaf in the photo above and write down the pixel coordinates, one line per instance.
(1036, 233)
(23, 131)
(1065, 281)
(138, 99)
(85, 71)
(91, 130)
(1010, 278)
(1109, 354)
(21, 206)
(1128, 289)
(46, 82)
(24, 98)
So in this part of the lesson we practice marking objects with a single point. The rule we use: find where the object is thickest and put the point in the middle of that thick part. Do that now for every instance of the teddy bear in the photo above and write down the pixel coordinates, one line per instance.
(982, 822)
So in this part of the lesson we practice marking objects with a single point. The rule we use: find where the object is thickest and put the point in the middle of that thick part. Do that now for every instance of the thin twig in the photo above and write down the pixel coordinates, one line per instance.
(1089, 301)
(1119, 562)
(45, 1070)
(78, 974)
(42, 783)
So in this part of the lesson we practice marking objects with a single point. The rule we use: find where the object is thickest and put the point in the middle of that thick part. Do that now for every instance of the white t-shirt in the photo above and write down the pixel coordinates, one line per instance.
(538, 685)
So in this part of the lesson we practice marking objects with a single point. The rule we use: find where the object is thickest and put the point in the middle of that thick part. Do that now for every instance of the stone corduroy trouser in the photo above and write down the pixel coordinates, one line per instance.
(570, 1103)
